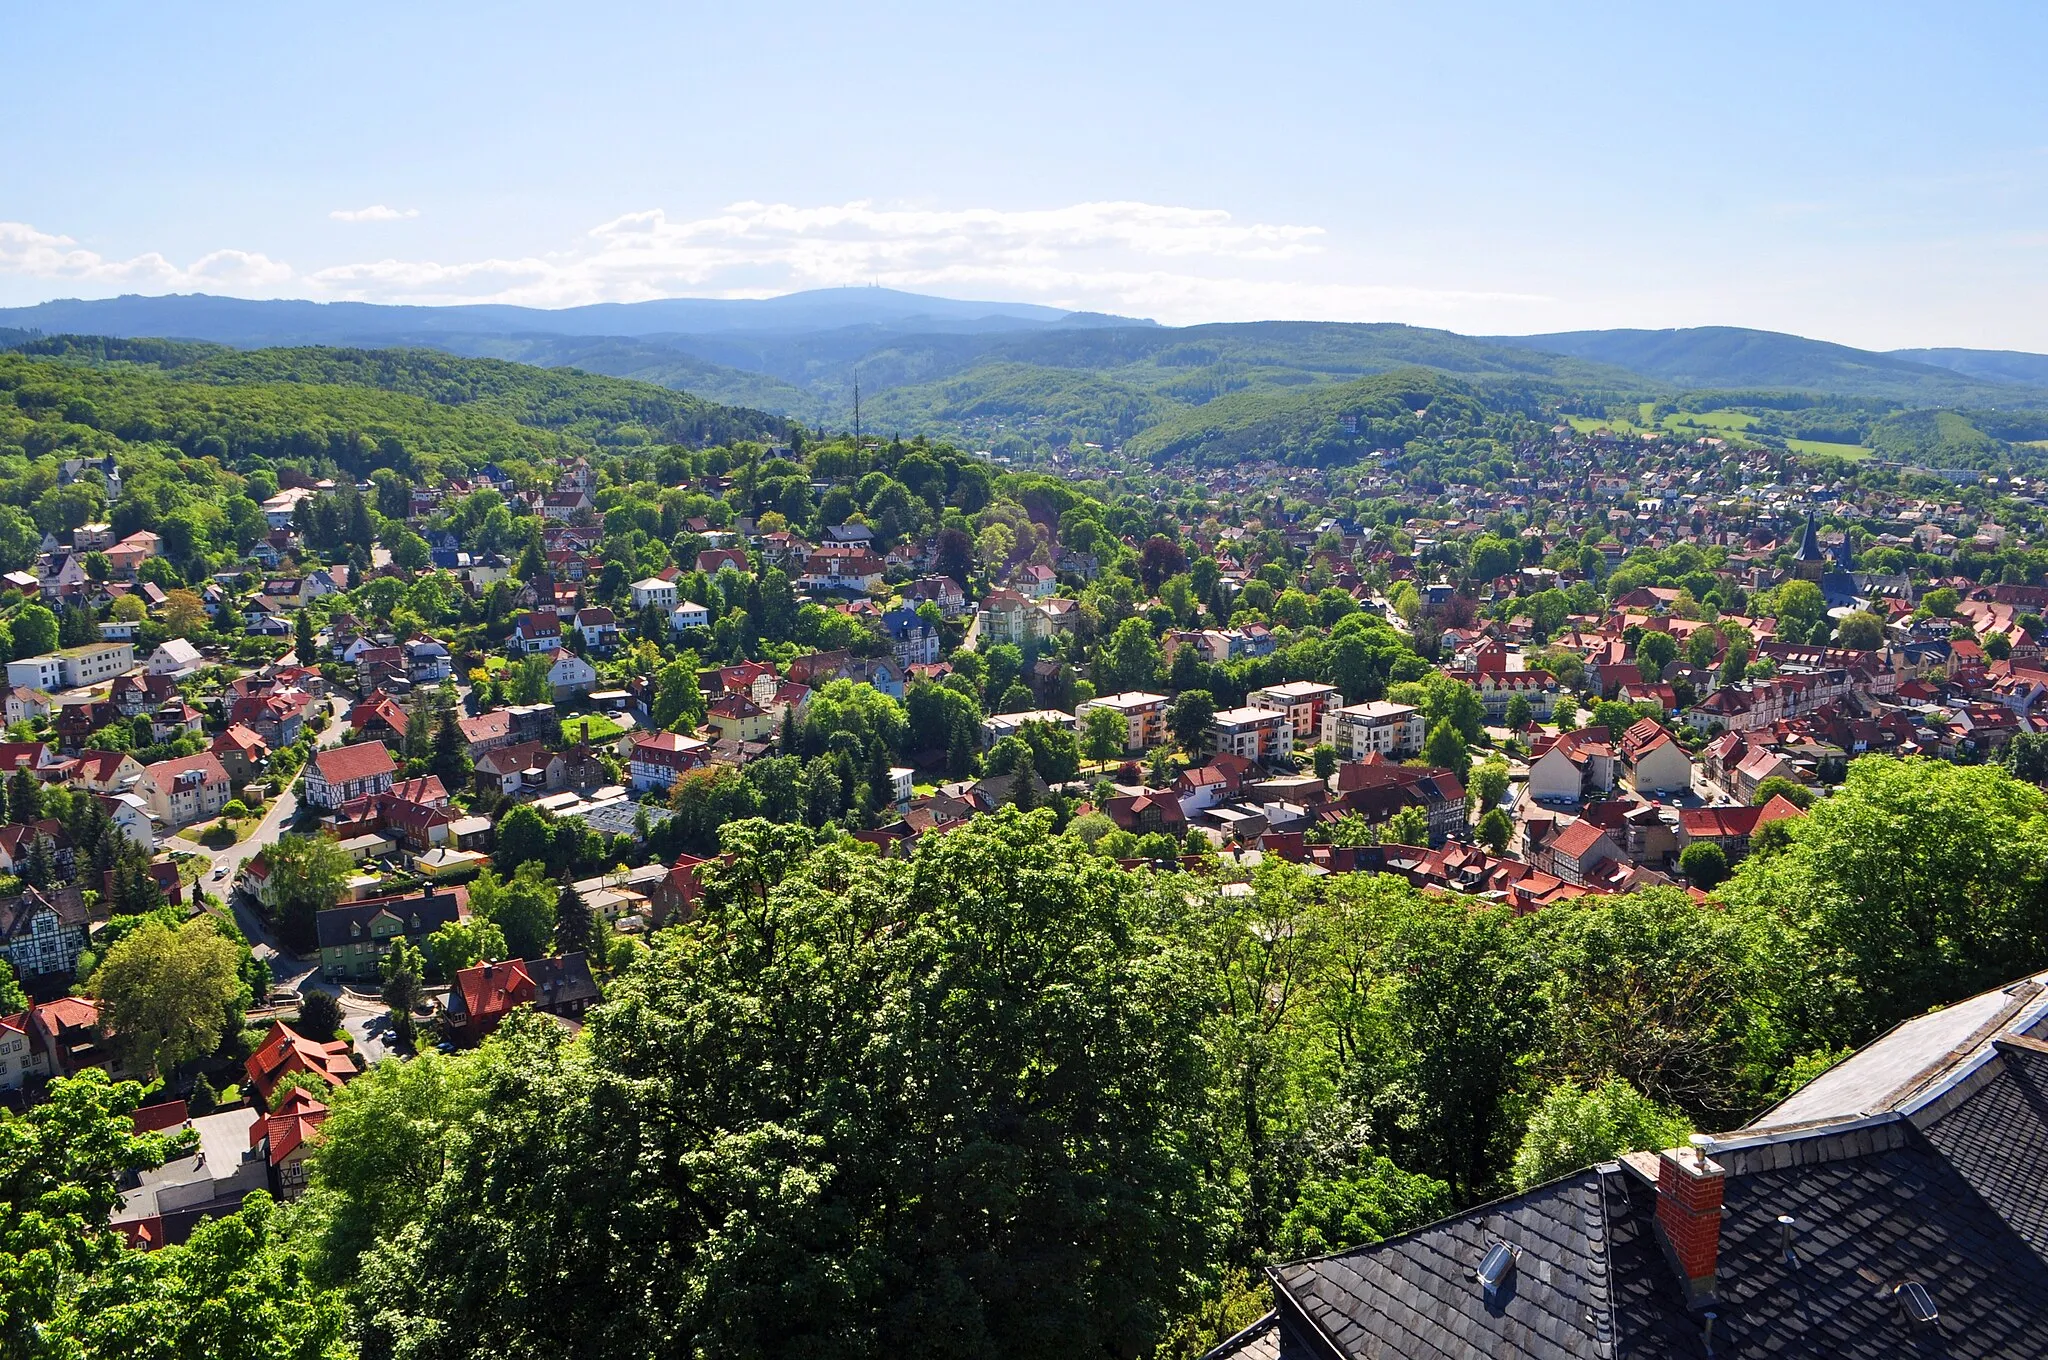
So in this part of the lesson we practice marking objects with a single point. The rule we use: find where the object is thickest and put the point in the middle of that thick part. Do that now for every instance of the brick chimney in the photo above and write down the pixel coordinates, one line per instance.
(1689, 1218)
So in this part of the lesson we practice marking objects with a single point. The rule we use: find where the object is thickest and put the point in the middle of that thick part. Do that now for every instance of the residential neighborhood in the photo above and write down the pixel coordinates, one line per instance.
(427, 762)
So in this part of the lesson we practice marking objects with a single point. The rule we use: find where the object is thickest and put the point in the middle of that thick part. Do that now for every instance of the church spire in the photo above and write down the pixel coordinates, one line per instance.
(1809, 546)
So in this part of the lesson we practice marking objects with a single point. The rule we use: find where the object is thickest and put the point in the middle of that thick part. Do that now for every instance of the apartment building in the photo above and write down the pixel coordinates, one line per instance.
(73, 667)
(1263, 735)
(1303, 701)
(1378, 728)
(1144, 716)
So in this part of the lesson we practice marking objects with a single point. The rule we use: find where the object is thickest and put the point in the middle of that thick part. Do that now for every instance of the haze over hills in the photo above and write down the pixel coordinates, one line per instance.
(245, 322)
(1736, 357)
(1014, 377)
(1990, 365)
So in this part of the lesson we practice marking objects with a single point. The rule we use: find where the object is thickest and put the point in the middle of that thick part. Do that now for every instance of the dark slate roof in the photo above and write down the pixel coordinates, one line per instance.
(1265, 1339)
(1809, 543)
(564, 979)
(334, 925)
(1875, 1206)
(1417, 1295)
(1998, 1140)
(1951, 1192)
(17, 915)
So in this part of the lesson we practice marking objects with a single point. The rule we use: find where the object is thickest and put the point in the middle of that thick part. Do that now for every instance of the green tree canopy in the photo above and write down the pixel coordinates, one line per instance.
(308, 874)
(1917, 883)
(1572, 1129)
(1128, 659)
(832, 1150)
(167, 995)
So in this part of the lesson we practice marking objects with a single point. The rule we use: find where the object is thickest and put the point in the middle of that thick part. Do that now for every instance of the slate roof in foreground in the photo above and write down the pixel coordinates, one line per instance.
(1925, 1160)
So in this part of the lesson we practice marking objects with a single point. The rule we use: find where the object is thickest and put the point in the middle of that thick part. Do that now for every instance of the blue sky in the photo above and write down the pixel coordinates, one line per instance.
(1874, 174)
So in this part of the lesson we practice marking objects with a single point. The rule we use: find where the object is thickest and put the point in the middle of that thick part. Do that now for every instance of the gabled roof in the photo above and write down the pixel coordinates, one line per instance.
(347, 764)
(486, 726)
(242, 739)
(1577, 839)
(379, 708)
(426, 789)
(1917, 1159)
(336, 926)
(492, 989)
(289, 1127)
(512, 759)
(284, 1051)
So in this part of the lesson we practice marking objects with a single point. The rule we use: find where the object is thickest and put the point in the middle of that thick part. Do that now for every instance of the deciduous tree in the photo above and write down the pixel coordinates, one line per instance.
(167, 995)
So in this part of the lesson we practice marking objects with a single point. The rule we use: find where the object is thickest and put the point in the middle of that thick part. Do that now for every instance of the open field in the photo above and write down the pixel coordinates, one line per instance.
(1855, 452)
(1719, 422)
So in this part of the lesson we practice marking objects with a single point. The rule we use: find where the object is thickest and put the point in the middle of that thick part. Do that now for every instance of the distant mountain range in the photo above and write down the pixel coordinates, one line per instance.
(252, 324)
(1732, 357)
(990, 372)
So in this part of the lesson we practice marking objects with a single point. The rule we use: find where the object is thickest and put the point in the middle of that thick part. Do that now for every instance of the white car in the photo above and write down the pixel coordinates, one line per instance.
(220, 871)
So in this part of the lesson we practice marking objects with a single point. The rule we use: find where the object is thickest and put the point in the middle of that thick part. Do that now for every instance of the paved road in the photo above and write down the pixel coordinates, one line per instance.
(370, 1024)
(287, 969)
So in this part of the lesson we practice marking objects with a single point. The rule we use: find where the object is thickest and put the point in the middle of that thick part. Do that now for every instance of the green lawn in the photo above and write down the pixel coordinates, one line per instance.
(1855, 452)
(214, 838)
(1712, 420)
(602, 728)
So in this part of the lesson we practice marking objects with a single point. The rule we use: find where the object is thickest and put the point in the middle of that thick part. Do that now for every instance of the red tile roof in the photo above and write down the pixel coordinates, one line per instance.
(380, 708)
(1719, 823)
(486, 726)
(156, 1118)
(1576, 839)
(288, 1127)
(14, 754)
(347, 764)
(206, 765)
(427, 789)
(285, 1051)
(1777, 810)
(489, 990)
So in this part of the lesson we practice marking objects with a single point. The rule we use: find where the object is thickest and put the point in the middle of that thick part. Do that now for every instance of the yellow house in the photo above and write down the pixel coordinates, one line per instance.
(739, 718)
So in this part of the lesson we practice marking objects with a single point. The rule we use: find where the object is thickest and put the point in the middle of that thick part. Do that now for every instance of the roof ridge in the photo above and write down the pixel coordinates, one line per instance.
(1598, 1244)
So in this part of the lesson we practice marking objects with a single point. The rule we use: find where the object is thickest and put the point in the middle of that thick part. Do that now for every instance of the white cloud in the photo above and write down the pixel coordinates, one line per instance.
(1178, 264)
(376, 212)
(37, 254)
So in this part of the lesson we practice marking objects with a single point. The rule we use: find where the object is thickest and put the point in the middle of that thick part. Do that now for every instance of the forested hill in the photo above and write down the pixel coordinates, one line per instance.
(1986, 365)
(1342, 422)
(361, 408)
(1735, 357)
(287, 321)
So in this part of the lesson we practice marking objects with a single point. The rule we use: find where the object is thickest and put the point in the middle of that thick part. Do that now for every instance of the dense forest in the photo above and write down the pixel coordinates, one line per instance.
(1022, 389)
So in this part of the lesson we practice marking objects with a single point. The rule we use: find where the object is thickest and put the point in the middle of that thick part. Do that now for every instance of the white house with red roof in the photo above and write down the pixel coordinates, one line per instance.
(1575, 764)
(1653, 760)
(342, 773)
(534, 632)
(188, 789)
(656, 760)
(20, 1059)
